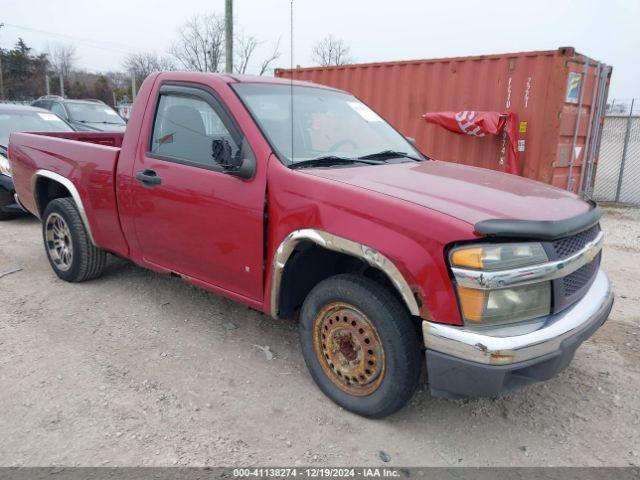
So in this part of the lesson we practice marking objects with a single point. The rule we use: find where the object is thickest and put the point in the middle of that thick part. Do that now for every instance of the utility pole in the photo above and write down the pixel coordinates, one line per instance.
(1, 80)
(61, 78)
(133, 86)
(1, 75)
(46, 84)
(228, 35)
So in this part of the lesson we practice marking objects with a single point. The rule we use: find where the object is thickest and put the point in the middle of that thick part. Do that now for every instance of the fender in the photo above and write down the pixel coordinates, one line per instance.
(68, 184)
(342, 245)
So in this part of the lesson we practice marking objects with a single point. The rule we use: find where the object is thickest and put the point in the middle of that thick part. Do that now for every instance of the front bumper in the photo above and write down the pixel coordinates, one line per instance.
(463, 362)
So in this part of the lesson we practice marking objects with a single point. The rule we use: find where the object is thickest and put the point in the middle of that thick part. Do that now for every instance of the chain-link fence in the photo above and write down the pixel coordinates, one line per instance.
(618, 171)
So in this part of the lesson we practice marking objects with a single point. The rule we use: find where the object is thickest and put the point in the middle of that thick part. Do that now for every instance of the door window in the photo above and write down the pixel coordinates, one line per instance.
(188, 129)
(42, 104)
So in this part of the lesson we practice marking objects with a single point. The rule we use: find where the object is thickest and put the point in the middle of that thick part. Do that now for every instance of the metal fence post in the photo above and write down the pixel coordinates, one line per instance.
(587, 141)
(624, 151)
(596, 136)
(572, 154)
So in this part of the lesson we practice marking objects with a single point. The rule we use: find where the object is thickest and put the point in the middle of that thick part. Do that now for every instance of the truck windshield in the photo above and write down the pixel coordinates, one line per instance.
(326, 124)
(93, 113)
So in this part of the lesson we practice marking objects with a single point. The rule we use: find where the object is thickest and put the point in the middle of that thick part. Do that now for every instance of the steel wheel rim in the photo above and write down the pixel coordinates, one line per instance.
(59, 242)
(349, 349)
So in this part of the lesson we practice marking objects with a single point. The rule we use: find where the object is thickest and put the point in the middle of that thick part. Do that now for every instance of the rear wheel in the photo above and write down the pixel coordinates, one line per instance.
(360, 345)
(70, 252)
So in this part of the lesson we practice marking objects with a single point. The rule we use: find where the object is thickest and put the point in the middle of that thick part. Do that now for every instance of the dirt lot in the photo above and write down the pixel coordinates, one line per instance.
(141, 369)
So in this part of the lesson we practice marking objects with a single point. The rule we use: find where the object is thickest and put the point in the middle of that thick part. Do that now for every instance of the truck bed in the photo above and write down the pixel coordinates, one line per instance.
(87, 160)
(108, 139)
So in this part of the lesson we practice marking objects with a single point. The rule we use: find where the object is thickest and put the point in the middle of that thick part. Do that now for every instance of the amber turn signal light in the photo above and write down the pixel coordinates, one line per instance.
(468, 257)
(473, 303)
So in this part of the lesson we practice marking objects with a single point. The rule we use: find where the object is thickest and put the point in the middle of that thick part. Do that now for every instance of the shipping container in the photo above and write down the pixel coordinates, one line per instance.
(558, 96)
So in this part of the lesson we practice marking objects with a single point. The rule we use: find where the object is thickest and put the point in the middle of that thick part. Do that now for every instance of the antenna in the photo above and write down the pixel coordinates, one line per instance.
(291, 77)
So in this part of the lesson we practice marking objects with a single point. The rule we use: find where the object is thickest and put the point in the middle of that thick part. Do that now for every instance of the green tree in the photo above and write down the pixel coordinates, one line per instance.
(23, 72)
(78, 90)
(102, 90)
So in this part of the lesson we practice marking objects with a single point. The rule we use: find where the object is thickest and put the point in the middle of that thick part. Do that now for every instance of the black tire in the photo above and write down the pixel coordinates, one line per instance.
(395, 331)
(8, 216)
(87, 261)
(6, 199)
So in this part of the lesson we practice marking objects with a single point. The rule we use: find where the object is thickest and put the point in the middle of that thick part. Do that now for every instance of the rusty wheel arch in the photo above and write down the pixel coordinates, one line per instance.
(338, 244)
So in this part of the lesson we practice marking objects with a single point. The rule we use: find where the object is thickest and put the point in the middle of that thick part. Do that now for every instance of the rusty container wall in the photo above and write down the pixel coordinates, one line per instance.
(534, 85)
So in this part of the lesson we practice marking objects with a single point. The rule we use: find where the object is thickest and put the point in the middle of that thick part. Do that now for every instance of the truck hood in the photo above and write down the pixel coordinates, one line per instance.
(468, 193)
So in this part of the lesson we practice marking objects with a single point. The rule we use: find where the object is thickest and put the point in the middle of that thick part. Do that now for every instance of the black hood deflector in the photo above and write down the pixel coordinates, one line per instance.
(540, 229)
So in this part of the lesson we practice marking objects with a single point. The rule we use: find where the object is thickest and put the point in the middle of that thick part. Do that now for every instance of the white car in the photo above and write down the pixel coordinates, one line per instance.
(20, 118)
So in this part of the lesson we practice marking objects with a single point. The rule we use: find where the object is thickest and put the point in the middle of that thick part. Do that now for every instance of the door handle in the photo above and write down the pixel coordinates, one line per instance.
(148, 178)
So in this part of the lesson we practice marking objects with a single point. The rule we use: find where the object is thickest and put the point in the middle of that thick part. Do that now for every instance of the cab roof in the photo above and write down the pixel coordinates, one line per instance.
(235, 78)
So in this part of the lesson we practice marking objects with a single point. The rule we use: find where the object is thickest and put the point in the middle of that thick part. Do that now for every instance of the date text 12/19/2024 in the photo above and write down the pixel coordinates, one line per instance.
(317, 472)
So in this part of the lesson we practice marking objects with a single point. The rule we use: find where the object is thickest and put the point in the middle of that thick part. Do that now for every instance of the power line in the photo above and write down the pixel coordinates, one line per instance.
(98, 44)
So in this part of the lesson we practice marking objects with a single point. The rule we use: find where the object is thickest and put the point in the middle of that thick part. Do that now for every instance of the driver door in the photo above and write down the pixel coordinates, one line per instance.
(192, 217)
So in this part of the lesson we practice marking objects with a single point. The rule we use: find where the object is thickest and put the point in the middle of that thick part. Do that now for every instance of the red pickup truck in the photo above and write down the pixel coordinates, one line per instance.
(300, 201)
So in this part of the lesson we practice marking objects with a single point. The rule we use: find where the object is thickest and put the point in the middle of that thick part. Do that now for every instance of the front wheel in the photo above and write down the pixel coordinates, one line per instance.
(360, 344)
(70, 252)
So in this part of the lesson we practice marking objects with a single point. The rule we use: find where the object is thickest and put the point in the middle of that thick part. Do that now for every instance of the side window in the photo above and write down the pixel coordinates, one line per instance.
(58, 110)
(188, 128)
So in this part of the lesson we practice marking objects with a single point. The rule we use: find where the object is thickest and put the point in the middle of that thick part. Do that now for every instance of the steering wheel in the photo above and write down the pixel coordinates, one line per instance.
(342, 143)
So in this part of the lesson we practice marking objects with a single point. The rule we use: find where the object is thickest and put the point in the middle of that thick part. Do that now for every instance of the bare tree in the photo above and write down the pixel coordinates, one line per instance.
(62, 58)
(200, 46)
(266, 63)
(332, 51)
(144, 64)
(245, 52)
(119, 80)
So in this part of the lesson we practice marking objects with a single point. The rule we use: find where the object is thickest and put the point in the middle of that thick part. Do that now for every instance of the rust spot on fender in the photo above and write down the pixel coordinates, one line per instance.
(420, 297)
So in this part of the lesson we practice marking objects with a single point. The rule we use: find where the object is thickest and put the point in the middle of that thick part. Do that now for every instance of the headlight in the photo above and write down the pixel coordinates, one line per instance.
(507, 305)
(498, 256)
(5, 168)
(502, 305)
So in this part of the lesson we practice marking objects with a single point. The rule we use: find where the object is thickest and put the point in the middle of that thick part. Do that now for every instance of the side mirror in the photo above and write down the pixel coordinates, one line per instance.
(242, 165)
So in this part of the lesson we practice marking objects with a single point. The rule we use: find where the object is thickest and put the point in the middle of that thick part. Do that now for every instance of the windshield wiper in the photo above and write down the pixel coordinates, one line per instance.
(389, 154)
(333, 160)
(102, 121)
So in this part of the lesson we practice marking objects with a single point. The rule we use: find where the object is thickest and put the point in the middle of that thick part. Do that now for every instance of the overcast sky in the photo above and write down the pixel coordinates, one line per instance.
(104, 32)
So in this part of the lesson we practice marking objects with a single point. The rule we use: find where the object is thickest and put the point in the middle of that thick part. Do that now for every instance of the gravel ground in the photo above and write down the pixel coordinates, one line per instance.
(141, 369)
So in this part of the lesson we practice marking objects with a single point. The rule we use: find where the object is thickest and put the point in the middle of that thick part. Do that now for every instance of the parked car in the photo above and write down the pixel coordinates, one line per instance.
(328, 215)
(20, 118)
(88, 115)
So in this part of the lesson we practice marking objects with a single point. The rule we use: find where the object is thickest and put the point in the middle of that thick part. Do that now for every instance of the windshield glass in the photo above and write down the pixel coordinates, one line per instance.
(325, 123)
(26, 121)
(93, 113)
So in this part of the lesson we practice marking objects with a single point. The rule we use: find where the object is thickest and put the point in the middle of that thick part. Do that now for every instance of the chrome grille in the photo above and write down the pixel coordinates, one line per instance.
(578, 279)
(571, 288)
(566, 247)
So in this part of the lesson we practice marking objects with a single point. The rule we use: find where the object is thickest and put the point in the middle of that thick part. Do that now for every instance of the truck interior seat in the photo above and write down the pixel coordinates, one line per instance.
(186, 125)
